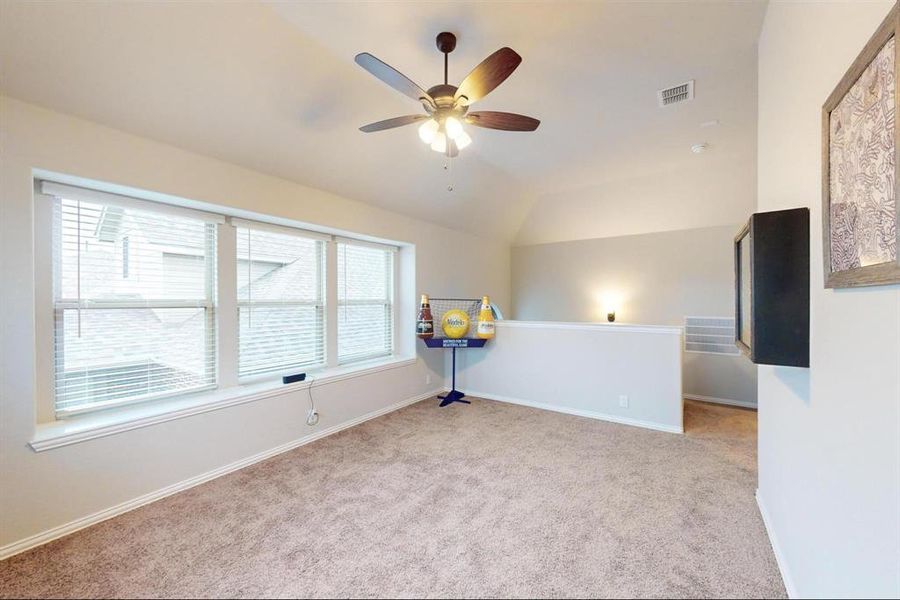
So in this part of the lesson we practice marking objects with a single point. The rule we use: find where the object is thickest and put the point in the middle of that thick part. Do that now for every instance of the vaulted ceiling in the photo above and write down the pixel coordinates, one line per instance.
(273, 86)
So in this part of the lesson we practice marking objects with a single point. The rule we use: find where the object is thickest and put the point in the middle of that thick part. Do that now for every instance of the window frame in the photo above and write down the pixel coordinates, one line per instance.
(320, 304)
(389, 304)
(61, 303)
(221, 307)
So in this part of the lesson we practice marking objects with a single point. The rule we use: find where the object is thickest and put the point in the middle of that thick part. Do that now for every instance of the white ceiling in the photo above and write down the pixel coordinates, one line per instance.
(274, 87)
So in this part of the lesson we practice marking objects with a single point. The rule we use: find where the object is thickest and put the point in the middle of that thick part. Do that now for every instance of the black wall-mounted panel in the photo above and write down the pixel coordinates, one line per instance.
(777, 246)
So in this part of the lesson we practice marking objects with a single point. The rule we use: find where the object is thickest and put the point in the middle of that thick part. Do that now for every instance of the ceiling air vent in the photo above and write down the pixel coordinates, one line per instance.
(677, 93)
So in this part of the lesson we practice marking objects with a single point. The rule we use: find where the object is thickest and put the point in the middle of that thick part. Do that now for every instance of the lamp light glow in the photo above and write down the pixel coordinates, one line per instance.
(428, 131)
(609, 302)
(453, 127)
(440, 142)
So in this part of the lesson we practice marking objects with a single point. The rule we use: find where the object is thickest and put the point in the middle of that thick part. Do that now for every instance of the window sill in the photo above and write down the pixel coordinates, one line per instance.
(101, 424)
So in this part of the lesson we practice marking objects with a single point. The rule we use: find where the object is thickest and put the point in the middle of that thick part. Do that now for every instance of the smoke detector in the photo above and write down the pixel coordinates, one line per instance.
(700, 148)
(675, 94)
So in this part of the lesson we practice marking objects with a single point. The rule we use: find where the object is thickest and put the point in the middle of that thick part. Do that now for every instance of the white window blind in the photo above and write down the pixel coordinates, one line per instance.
(365, 282)
(281, 300)
(134, 291)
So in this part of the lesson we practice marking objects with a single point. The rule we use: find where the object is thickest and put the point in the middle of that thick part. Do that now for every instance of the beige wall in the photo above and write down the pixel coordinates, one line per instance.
(42, 491)
(582, 369)
(660, 278)
(829, 436)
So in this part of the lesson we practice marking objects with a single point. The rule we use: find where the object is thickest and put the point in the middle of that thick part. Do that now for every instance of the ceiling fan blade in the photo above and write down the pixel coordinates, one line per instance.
(502, 120)
(391, 123)
(489, 74)
(392, 77)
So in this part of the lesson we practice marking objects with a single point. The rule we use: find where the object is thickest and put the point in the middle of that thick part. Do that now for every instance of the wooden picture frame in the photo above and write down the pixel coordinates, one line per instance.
(856, 232)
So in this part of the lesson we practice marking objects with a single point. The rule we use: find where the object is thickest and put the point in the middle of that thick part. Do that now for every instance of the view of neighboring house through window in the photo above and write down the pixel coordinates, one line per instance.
(133, 304)
(365, 301)
(154, 300)
(281, 301)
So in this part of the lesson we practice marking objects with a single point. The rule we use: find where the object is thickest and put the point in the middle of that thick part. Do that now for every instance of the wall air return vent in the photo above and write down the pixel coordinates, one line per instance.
(710, 335)
(675, 94)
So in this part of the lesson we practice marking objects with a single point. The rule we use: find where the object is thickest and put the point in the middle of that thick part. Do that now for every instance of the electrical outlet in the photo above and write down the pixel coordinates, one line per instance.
(428, 379)
(312, 417)
(623, 401)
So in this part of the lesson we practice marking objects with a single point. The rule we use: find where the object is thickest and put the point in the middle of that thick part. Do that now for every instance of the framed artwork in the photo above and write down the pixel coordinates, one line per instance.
(860, 170)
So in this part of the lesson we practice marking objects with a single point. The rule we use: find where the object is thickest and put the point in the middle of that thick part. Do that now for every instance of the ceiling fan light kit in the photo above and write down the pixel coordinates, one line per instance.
(440, 142)
(428, 130)
(447, 106)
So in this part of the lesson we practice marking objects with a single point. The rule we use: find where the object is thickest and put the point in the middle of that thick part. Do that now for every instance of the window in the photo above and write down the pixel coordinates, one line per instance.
(365, 282)
(125, 334)
(281, 301)
(152, 301)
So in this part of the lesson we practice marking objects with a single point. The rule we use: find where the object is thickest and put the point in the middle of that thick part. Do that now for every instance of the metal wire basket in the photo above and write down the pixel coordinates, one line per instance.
(440, 307)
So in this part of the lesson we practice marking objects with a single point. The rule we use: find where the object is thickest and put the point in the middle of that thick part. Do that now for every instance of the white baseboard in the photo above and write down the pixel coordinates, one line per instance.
(579, 413)
(776, 548)
(73, 526)
(714, 400)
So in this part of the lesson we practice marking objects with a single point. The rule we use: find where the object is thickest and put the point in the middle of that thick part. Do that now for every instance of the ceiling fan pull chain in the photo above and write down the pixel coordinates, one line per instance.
(448, 166)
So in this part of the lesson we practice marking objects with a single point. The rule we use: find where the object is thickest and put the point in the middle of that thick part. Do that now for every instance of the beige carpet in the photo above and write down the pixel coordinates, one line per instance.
(483, 500)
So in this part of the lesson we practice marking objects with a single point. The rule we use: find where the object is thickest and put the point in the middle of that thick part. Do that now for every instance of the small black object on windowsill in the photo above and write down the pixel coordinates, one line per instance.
(293, 378)
(611, 317)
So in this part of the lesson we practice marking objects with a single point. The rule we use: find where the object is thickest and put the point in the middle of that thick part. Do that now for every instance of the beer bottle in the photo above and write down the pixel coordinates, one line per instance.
(425, 322)
(485, 329)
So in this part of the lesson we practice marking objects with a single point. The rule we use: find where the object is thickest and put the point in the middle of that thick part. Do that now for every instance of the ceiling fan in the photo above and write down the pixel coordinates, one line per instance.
(447, 106)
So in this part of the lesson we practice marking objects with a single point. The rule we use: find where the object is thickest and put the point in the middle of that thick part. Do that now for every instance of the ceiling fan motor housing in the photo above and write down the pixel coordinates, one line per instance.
(444, 95)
